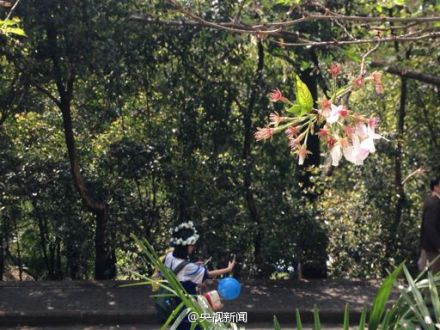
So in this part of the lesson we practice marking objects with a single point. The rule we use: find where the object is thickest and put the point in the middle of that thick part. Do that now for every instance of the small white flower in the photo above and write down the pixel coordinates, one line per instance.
(428, 319)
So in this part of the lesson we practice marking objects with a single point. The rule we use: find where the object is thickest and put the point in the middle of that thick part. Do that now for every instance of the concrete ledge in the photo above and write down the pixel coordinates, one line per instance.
(98, 303)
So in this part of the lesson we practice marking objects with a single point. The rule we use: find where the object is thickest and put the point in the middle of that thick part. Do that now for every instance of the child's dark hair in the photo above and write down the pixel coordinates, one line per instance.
(181, 251)
(434, 182)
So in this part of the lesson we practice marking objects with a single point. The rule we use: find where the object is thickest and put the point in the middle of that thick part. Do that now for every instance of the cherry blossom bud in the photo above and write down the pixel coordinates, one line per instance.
(343, 112)
(302, 154)
(276, 95)
(331, 141)
(358, 82)
(335, 70)
(379, 88)
(323, 132)
(377, 77)
(325, 104)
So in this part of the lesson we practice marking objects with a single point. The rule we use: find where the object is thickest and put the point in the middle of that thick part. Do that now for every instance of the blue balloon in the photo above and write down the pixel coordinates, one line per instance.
(229, 288)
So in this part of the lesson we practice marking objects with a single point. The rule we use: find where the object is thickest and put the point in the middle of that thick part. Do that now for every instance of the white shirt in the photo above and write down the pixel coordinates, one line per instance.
(191, 272)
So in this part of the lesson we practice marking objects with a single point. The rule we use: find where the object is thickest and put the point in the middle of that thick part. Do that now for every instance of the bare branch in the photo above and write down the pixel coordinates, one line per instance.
(45, 92)
(404, 73)
(294, 38)
(358, 41)
(11, 11)
(349, 18)
(212, 24)
(388, 28)
(365, 56)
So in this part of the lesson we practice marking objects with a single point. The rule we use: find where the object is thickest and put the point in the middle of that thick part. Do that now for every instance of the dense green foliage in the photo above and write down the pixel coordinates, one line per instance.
(163, 118)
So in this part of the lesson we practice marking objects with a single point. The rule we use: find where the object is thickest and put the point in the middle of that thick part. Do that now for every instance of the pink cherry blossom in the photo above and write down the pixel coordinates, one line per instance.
(293, 143)
(263, 133)
(276, 119)
(349, 130)
(335, 113)
(291, 131)
(354, 153)
(373, 122)
(336, 154)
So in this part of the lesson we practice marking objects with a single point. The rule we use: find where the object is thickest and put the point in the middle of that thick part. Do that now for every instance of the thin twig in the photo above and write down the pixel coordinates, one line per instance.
(11, 11)
(237, 17)
(388, 28)
(358, 41)
(46, 92)
(419, 171)
(342, 26)
(365, 56)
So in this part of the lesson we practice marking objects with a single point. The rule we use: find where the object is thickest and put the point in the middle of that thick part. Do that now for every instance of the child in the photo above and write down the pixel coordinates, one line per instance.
(184, 239)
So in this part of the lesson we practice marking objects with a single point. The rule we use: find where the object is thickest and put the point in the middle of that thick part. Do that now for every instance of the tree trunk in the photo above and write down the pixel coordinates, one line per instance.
(246, 156)
(314, 159)
(18, 247)
(399, 188)
(3, 242)
(104, 258)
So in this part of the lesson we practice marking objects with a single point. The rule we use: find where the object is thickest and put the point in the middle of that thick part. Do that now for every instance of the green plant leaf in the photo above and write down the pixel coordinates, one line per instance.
(16, 31)
(298, 320)
(346, 325)
(316, 320)
(419, 306)
(276, 324)
(378, 308)
(303, 96)
(295, 109)
(362, 320)
(175, 312)
(435, 299)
